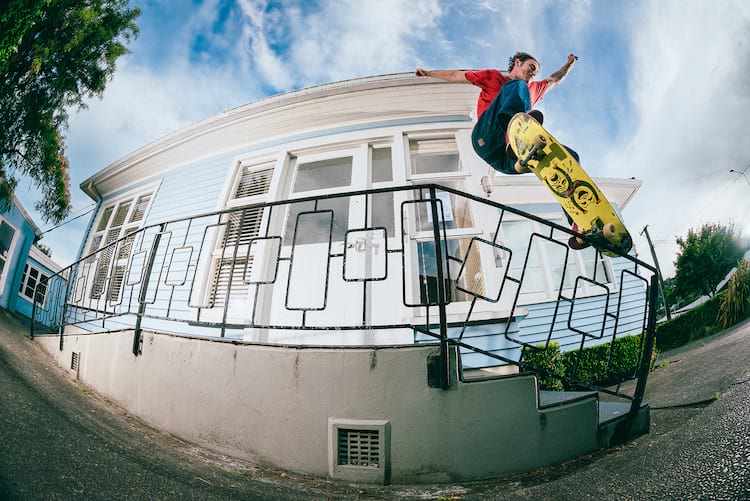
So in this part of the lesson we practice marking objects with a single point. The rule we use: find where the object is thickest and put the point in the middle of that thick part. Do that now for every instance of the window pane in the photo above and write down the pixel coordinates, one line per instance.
(319, 230)
(329, 173)
(428, 268)
(122, 212)
(599, 274)
(433, 156)
(105, 218)
(6, 238)
(516, 235)
(140, 208)
(382, 165)
(453, 209)
(382, 212)
(254, 181)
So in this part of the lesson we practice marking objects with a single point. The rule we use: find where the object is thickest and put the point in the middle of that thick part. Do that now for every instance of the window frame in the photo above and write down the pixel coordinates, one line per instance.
(127, 227)
(24, 283)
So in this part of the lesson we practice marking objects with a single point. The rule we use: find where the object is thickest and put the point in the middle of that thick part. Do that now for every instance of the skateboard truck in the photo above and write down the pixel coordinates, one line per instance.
(539, 143)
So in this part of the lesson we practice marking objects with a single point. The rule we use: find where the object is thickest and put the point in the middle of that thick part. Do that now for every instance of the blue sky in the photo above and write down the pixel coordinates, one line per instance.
(661, 91)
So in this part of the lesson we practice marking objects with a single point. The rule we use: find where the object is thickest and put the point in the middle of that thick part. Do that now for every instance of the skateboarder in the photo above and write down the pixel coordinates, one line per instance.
(503, 94)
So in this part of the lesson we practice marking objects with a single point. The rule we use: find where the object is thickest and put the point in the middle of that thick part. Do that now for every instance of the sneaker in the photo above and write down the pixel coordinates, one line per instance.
(537, 115)
(576, 243)
(510, 153)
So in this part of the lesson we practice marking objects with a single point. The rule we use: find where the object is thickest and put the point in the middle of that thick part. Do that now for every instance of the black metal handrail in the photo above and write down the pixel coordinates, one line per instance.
(199, 275)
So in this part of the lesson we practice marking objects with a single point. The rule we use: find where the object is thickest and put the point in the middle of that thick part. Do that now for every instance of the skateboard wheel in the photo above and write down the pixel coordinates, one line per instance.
(609, 230)
(540, 141)
(521, 168)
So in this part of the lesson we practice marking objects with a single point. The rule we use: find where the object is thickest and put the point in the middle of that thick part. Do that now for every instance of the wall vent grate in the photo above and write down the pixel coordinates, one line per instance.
(75, 362)
(359, 448)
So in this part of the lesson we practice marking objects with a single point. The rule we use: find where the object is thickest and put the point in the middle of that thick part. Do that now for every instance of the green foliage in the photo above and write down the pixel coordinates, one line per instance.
(550, 363)
(54, 54)
(735, 303)
(689, 326)
(705, 257)
(592, 365)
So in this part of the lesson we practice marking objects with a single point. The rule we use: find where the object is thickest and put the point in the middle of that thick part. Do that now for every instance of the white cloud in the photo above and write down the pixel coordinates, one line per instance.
(689, 88)
(341, 40)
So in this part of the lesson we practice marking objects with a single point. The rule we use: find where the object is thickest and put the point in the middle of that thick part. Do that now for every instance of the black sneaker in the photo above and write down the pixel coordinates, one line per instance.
(510, 153)
(537, 115)
(576, 243)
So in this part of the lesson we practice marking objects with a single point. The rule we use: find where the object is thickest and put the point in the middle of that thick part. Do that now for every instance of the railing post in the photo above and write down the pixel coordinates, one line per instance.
(439, 258)
(622, 433)
(68, 283)
(144, 289)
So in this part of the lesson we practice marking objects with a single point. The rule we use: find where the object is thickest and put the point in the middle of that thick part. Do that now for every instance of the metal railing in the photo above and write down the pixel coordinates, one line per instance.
(386, 266)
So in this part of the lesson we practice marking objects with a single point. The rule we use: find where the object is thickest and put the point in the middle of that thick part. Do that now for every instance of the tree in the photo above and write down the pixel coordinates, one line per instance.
(705, 258)
(54, 54)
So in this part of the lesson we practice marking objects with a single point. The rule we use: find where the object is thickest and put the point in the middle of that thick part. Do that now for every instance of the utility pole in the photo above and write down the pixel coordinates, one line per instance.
(658, 272)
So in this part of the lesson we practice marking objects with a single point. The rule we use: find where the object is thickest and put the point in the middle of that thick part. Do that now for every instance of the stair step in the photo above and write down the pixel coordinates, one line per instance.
(554, 398)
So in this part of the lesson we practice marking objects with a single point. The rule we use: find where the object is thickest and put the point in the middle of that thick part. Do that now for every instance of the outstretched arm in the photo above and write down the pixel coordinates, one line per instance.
(557, 77)
(458, 76)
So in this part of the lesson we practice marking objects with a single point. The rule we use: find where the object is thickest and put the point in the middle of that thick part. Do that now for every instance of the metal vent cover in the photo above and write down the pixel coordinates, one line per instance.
(75, 362)
(359, 450)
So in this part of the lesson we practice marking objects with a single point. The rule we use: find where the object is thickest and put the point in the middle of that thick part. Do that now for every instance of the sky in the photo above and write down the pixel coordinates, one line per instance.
(660, 92)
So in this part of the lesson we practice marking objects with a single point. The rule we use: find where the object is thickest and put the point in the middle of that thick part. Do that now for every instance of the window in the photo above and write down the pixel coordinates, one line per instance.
(434, 155)
(455, 284)
(311, 178)
(233, 255)
(34, 280)
(121, 219)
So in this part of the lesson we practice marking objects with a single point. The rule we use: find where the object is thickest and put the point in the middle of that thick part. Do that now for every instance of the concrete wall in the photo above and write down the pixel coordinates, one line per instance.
(276, 403)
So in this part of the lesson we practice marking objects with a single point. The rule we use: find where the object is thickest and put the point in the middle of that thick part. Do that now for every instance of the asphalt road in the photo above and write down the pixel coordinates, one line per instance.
(58, 440)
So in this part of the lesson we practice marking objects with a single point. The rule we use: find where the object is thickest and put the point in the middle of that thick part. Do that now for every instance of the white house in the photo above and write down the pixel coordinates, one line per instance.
(321, 279)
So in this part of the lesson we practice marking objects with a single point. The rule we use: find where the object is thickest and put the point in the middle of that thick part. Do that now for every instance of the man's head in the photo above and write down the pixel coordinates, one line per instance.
(523, 66)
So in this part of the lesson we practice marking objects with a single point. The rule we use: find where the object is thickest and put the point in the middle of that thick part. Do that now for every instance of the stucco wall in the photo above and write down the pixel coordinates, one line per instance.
(276, 402)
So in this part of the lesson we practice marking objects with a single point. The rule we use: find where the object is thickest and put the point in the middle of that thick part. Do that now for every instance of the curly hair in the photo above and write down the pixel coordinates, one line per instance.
(521, 56)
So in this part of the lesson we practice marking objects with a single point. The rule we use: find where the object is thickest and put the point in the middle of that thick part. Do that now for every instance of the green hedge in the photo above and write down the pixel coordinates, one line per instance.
(591, 368)
(697, 323)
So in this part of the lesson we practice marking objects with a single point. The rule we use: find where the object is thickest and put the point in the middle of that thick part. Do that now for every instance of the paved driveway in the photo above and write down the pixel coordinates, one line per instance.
(60, 441)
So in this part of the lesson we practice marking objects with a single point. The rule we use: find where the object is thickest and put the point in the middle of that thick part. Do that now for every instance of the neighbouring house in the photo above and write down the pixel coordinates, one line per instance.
(37, 272)
(22, 265)
(324, 279)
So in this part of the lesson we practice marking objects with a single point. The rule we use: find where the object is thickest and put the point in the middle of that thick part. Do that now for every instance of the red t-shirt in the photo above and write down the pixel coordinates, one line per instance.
(491, 81)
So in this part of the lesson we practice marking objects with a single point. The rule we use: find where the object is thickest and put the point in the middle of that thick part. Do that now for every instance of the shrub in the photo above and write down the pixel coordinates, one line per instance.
(549, 361)
(689, 326)
(594, 365)
(735, 302)
(597, 366)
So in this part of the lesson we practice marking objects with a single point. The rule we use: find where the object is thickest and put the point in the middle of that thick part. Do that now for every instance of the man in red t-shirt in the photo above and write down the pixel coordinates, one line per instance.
(503, 94)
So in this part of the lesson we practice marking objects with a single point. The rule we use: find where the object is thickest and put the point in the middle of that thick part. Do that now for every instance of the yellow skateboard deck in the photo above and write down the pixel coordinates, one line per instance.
(539, 152)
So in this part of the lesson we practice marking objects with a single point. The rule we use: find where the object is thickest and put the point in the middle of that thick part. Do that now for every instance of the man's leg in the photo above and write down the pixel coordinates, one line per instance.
(488, 136)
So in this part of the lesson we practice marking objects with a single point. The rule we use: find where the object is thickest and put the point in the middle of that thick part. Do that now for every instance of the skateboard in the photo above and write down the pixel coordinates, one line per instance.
(539, 152)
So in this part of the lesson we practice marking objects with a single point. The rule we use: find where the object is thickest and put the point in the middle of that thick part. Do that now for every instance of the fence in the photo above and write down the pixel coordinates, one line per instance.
(404, 265)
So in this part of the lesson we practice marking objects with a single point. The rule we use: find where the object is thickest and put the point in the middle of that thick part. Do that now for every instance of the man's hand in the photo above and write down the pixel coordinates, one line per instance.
(421, 72)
